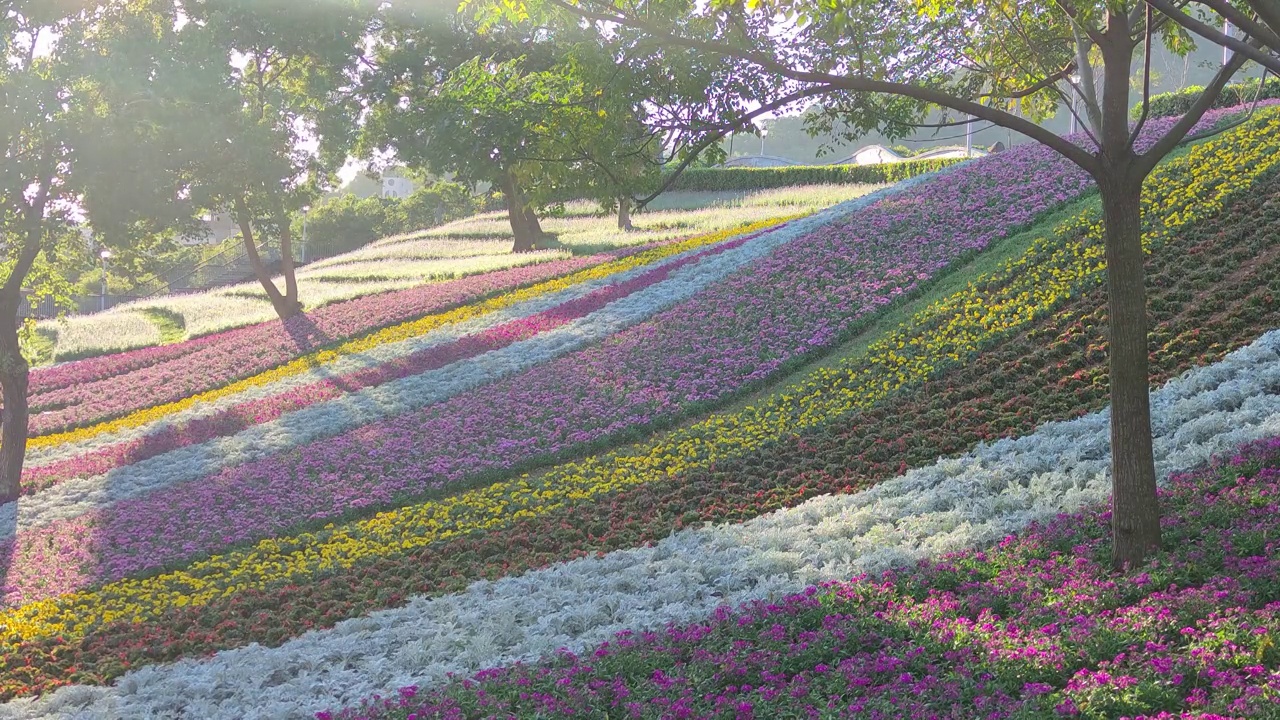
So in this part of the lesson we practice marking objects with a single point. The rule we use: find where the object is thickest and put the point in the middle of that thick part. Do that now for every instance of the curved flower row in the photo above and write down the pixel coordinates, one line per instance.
(957, 503)
(393, 534)
(1036, 627)
(57, 528)
(946, 418)
(1050, 371)
(39, 458)
(392, 361)
(746, 327)
(229, 367)
(335, 322)
(438, 374)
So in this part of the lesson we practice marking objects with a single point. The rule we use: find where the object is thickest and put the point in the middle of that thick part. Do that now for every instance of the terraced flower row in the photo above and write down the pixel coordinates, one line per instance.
(335, 322)
(395, 552)
(262, 353)
(461, 323)
(222, 423)
(957, 503)
(56, 527)
(783, 306)
(1036, 627)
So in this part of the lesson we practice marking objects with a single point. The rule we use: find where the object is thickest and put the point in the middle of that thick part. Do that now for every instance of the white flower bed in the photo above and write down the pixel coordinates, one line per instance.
(333, 417)
(347, 364)
(954, 504)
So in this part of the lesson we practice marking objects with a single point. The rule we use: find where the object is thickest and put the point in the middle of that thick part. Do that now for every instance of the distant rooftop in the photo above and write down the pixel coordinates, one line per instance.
(875, 154)
(758, 161)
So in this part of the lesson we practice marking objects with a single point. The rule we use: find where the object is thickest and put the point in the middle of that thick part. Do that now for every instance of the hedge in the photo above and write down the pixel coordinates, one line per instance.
(347, 222)
(746, 178)
(1179, 102)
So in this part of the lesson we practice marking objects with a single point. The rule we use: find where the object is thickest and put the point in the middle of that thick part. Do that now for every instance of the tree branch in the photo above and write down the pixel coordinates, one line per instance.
(1146, 79)
(1269, 12)
(1214, 35)
(1148, 160)
(854, 83)
(1038, 86)
(725, 130)
(1270, 36)
(30, 246)
(1087, 88)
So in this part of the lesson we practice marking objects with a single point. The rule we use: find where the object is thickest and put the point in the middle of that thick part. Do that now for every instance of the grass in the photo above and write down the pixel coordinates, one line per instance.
(172, 326)
(478, 244)
(582, 229)
(38, 347)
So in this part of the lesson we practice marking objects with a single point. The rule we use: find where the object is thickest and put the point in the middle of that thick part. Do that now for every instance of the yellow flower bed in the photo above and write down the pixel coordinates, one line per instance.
(404, 331)
(946, 331)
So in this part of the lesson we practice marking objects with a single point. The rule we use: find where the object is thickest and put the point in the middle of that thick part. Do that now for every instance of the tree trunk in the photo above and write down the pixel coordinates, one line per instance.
(1135, 515)
(285, 307)
(14, 369)
(526, 234)
(624, 214)
(286, 261)
(13, 390)
(535, 227)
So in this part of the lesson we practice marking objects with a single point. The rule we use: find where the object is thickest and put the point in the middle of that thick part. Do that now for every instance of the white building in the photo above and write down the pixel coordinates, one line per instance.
(218, 227)
(878, 154)
(871, 155)
(396, 187)
(758, 161)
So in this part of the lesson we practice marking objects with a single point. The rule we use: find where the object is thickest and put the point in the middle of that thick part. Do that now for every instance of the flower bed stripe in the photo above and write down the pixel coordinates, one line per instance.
(797, 303)
(1038, 626)
(252, 604)
(954, 504)
(647, 516)
(48, 556)
(232, 358)
(354, 372)
(334, 322)
(204, 581)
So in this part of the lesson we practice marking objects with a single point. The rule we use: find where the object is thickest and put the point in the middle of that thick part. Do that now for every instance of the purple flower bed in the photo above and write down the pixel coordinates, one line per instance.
(245, 415)
(1037, 627)
(737, 331)
(89, 391)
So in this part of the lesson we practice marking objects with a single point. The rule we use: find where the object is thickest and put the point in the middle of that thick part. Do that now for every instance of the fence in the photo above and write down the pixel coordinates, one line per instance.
(82, 305)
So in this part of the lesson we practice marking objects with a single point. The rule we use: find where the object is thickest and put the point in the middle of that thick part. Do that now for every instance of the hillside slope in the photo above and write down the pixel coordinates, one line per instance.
(130, 582)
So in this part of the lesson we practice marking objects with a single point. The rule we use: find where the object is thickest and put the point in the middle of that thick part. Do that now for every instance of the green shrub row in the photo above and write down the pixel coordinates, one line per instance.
(746, 178)
(344, 223)
(1180, 101)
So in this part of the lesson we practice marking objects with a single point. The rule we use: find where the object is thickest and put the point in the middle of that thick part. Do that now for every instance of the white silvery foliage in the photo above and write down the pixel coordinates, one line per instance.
(380, 402)
(347, 364)
(956, 503)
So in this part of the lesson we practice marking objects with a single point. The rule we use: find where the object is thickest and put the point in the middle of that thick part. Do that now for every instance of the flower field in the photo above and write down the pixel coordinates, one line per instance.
(444, 254)
(397, 490)
(1036, 626)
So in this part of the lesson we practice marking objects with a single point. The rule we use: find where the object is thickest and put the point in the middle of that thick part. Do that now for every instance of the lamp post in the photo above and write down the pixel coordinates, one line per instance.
(305, 209)
(763, 132)
(105, 255)
(1226, 51)
(1075, 82)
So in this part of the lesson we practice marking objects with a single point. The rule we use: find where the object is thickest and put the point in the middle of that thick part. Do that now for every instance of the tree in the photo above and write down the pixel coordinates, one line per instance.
(265, 85)
(550, 112)
(883, 64)
(440, 106)
(74, 93)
